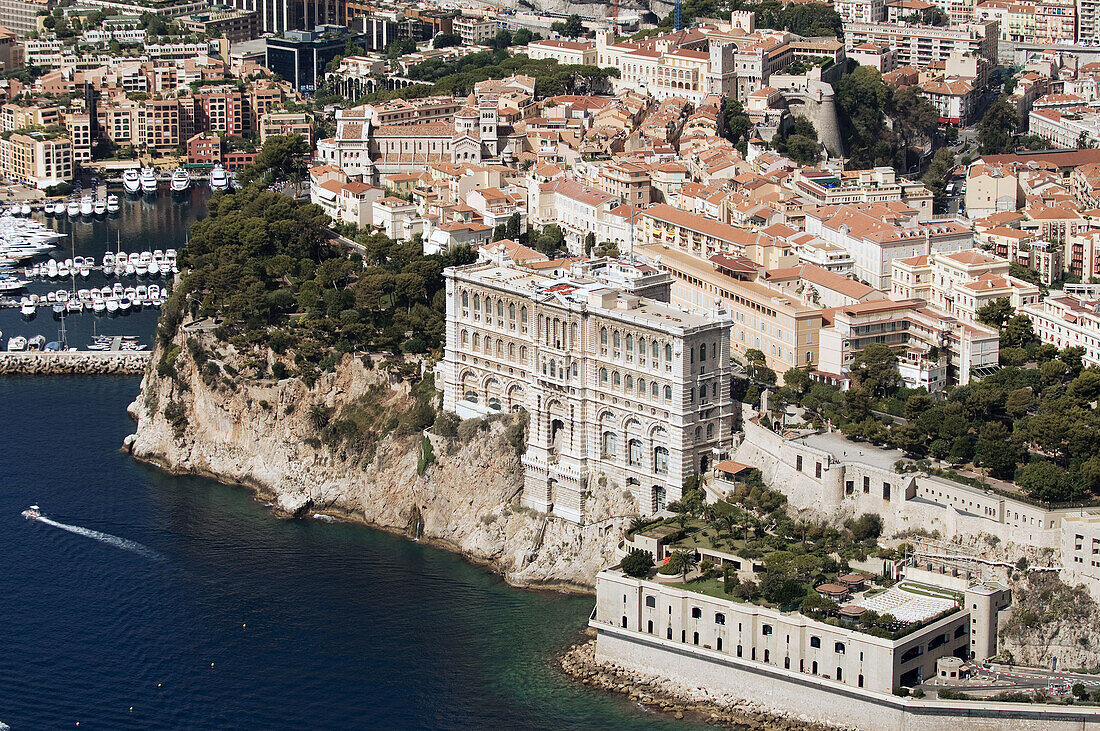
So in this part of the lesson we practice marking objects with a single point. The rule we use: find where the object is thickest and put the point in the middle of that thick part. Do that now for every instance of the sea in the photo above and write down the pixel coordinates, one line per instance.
(151, 601)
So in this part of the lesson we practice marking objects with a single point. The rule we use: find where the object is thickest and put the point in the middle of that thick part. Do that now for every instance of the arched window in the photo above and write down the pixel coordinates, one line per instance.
(660, 460)
(630, 343)
(654, 389)
(477, 341)
(489, 306)
(489, 346)
(629, 383)
(573, 334)
(668, 393)
(618, 340)
(477, 303)
(641, 346)
(471, 396)
(698, 433)
(523, 353)
(714, 389)
(574, 370)
(603, 336)
(465, 337)
(465, 299)
(641, 386)
(703, 352)
(512, 311)
(511, 351)
(710, 431)
(615, 379)
(610, 446)
(500, 308)
(603, 375)
(656, 350)
(668, 352)
(523, 315)
(634, 453)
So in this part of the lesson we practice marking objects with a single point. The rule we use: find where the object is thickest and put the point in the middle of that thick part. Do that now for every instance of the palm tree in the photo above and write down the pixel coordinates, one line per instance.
(638, 524)
(682, 561)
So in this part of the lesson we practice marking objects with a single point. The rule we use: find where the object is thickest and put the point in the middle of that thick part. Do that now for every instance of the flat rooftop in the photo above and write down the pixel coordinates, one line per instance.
(910, 603)
(845, 450)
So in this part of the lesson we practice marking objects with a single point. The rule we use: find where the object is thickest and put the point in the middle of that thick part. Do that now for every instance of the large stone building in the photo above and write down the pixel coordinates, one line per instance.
(624, 392)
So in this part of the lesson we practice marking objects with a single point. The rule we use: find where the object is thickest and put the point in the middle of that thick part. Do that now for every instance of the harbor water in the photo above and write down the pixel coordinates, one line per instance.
(148, 601)
(142, 224)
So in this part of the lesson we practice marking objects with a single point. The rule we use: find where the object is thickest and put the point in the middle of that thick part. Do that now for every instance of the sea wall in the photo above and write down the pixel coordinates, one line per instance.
(262, 433)
(792, 694)
(73, 363)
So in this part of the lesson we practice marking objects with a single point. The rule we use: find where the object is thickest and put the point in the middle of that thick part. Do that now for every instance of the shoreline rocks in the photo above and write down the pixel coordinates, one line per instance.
(661, 695)
(73, 364)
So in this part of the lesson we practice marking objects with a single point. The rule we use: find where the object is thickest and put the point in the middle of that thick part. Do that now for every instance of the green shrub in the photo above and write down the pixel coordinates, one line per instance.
(637, 563)
(446, 424)
(427, 456)
(166, 367)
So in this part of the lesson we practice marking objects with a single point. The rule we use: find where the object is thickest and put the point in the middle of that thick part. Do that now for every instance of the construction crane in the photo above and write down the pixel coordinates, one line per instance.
(677, 15)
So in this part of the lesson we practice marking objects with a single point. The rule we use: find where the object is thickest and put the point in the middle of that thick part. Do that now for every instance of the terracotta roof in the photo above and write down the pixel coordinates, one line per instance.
(823, 278)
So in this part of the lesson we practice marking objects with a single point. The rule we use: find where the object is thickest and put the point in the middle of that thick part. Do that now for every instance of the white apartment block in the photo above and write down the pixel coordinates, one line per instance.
(623, 392)
(922, 45)
(876, 234)
(877, 185)
(578, 209)
(1066, 128)
(861, 11)
(475, 31)
(564, 52)
(1068, 322)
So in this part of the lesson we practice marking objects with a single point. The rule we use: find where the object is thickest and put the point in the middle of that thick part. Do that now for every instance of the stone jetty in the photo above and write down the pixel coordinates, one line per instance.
(74, 362)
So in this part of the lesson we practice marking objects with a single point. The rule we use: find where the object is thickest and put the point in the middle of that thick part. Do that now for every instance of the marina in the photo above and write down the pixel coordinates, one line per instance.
(74, 283)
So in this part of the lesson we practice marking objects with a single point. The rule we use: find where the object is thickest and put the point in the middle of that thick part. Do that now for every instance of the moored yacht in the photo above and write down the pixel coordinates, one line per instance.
(112, 204)
(100, 207)
(149, 180)
(86, 206)
(219, 179)
(73, 208)
(181, 181)
(131, 180)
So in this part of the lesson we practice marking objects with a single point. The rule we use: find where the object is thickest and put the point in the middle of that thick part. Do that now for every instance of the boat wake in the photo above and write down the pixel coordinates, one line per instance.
(107, 538)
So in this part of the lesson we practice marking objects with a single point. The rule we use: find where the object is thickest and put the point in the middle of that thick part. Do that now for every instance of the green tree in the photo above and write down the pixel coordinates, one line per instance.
(735, 122)
(937, 175)
(280, 159)
(682, 562)
(444, 40)
(573, 27)
(997, 128)
(996, 451)
(1046, 481)
(637, 563)
(875, 368)
(996, 313)
(861, 100)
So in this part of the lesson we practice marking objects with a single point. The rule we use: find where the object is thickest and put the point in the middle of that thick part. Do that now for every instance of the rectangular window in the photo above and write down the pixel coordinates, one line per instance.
(767, 629)
(866, 485)
(815, 642)
(798, 463)
(886, 491)
(817, 470)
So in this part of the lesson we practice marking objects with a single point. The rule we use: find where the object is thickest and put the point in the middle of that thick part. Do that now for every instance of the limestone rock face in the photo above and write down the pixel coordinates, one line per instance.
(260, 433)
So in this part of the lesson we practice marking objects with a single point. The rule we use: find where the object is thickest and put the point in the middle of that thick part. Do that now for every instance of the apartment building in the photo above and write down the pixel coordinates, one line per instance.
(1068, 128)
(40, 159)
(578, 209)
(877, 185)
(21, 16)
(1067, 322)
(17, 116)
(666, 68)
(960, 283)
(765, 318)
(861, 11)
(286, 123)
(277, 16)
(875, 234)
(564, 52)
(624, 393)
(236, 25)
(474, 31)
(924, 45)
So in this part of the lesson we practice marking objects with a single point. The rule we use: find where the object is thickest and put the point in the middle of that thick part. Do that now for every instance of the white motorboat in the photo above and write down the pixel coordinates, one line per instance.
(87, 206)
(33, 512)
(124, 304)
(148, 180)
(17, 344)
(73, 208)
(85, 271)
(181, 181)
(112, 204)
(48, 208)
(130, 269)
(58, 308)
(25, 209)
(131, 181)
(116, 290)
(74, 305)
(99, 305)
(37, 343)
(219, 179)
(154, 268)
(112, 305)
(100, 207)
(27, 309)
(12, 284)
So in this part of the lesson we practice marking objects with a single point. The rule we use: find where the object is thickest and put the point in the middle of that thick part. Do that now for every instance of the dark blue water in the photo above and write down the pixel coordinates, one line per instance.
(346, 627)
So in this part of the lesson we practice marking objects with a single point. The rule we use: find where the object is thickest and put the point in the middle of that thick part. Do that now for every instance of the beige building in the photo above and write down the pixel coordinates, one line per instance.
(877, 185)
(564, 52)
(474, 31)
(37, 158)
(764, 318)
(286, 123)
(624, 392)
(923, 45)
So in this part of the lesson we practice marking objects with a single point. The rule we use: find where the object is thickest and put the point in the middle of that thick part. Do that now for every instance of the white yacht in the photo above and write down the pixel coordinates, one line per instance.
(17, 343)
(73, 208)
(131, 181)
(25, 209)
(112, 204)
(219, 179)
(112, 305)
(149, 180)
(86, 206)
(27, 308)
(181, 181)
(100, 207)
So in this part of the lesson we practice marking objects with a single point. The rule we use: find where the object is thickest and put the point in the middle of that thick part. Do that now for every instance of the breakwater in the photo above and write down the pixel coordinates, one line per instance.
(74, 362)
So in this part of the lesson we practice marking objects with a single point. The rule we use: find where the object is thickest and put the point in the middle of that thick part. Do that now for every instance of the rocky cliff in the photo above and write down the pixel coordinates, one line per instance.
(591, 9)
(198, 414)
